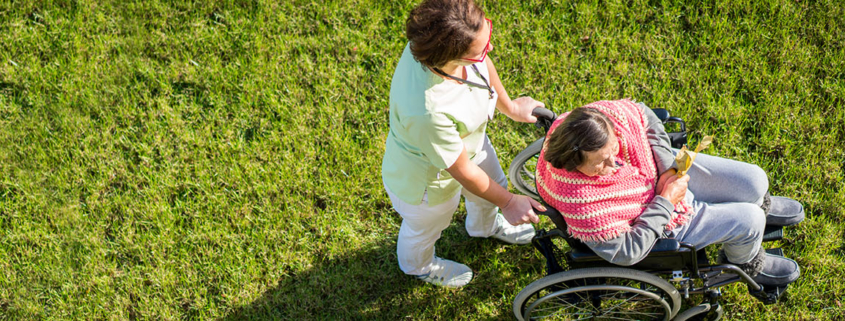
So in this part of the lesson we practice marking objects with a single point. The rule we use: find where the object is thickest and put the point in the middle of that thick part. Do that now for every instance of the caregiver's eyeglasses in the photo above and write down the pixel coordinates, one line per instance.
(487, 47)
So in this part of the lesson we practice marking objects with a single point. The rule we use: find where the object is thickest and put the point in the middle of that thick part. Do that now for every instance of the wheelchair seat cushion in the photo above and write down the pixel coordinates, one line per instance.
(661, 246)
(667, 254)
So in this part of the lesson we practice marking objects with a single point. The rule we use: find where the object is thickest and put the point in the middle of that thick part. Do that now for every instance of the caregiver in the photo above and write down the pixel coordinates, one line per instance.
(444, 91)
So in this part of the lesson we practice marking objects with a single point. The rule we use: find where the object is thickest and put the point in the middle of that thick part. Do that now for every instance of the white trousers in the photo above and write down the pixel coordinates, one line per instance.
(422, 224)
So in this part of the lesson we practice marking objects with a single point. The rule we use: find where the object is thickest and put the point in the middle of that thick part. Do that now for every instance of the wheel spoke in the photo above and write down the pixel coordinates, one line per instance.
(636, 299)
(591, 316)
(567, 313)
(573, 306)
(621, 303)
(653, 314)
(644, 305)
(607, 317)
(558, 308)
(563, 304)
(632, 312)
(560, 300)
(527, 172)
(599, 298)
(583, 299)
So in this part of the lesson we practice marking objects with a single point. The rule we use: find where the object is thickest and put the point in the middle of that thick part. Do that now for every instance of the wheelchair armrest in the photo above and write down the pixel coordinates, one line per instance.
(664, 245)
(676, 139)
(661, 113)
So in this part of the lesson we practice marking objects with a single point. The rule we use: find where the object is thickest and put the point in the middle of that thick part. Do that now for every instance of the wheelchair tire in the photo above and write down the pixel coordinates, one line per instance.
(598, 293)
(521, 171)
(701, 312)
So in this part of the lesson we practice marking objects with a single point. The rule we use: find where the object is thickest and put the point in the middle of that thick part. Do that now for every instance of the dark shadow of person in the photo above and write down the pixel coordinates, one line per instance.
(368, 285)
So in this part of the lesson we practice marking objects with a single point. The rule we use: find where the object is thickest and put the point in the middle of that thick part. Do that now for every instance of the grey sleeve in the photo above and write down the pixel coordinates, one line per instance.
(661, 147)
(631, 247)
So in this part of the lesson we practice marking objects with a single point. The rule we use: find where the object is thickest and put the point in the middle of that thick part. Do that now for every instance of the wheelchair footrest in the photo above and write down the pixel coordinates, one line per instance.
(772, 233)
(769, 294)
(775, 251)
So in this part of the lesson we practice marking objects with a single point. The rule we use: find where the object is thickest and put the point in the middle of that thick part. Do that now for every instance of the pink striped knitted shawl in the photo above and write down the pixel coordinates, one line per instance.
(601, 208)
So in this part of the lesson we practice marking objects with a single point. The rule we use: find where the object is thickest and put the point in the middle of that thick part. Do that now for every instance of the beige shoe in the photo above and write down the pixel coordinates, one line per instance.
(447, 273)
(505, 232)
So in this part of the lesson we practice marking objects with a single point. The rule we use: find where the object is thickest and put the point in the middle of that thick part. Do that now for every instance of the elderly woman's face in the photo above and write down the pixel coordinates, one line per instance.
(603, 161)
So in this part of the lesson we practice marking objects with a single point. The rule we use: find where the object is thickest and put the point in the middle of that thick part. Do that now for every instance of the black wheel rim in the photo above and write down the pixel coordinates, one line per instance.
(525, 175)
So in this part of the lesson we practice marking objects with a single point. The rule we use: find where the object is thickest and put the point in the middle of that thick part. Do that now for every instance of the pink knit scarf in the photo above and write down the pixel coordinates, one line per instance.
(600, 208)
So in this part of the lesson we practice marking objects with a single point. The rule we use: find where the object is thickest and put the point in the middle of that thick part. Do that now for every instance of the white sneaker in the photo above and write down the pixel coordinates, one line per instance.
(505, 232)
(447, 273)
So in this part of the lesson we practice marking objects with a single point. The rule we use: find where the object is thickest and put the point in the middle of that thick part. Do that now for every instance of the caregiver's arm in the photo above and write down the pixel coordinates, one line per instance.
(634, 245)
(517, 209)
(518, 109)
(661, 147)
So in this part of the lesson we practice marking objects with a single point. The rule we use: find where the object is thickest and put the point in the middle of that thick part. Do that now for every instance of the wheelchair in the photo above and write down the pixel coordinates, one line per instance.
(594, 289)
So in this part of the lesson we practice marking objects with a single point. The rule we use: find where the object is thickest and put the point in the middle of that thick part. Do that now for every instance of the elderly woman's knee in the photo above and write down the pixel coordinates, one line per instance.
(751, 218)
(758, 181)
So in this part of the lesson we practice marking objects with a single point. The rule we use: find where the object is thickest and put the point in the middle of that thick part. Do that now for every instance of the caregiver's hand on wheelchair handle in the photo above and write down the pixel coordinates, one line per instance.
(520, 210)
(672, 187)
(522, 108)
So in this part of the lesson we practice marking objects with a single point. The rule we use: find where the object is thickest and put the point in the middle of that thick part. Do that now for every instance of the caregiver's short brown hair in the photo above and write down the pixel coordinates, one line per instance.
(443, 30)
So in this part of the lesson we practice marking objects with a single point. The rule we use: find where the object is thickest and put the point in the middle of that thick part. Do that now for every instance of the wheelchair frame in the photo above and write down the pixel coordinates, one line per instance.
(681, 263)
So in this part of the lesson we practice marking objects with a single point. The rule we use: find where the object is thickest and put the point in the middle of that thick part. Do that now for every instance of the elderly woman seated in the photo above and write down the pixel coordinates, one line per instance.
(609, 169)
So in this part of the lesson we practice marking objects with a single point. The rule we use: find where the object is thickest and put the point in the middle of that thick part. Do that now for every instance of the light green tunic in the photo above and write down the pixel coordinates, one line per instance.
(431, 122)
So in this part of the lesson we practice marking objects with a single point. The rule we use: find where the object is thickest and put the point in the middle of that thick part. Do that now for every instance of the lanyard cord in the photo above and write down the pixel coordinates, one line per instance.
(485, 86)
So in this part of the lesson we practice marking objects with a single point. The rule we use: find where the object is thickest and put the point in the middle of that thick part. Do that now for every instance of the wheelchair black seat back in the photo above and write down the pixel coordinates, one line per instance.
(580, 285)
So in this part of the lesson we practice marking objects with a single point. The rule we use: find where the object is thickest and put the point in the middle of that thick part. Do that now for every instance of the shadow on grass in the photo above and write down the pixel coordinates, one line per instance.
(338, 287)
(368, 284)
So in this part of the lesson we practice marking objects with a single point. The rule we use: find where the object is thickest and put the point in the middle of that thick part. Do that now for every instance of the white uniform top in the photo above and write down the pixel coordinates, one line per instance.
(431, 121)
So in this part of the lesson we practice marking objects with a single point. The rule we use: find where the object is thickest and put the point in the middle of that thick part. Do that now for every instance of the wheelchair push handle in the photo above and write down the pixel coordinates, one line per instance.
(545, 118)
(677, 120)
(554, 215)
(676, 139)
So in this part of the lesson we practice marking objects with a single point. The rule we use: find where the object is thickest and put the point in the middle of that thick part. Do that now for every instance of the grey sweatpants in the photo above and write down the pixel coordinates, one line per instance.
(726, 196)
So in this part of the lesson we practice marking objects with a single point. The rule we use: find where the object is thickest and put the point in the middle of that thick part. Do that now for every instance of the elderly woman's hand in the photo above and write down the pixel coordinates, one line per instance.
(672, 187)
(661, 181)
(522, 108)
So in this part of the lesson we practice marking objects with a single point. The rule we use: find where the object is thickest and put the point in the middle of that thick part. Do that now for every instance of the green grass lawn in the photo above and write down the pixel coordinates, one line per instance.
(222, 160)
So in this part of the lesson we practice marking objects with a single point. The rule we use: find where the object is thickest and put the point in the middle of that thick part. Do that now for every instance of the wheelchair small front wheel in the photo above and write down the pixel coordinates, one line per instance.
(608, 293)
(522, 169)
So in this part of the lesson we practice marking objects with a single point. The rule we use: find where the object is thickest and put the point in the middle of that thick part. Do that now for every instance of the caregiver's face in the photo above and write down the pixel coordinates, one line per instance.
(603, 161)
(481, 45)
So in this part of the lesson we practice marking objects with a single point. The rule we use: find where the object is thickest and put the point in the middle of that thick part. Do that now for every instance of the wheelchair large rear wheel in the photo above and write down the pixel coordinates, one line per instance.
(522, 169)
(608, 293)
